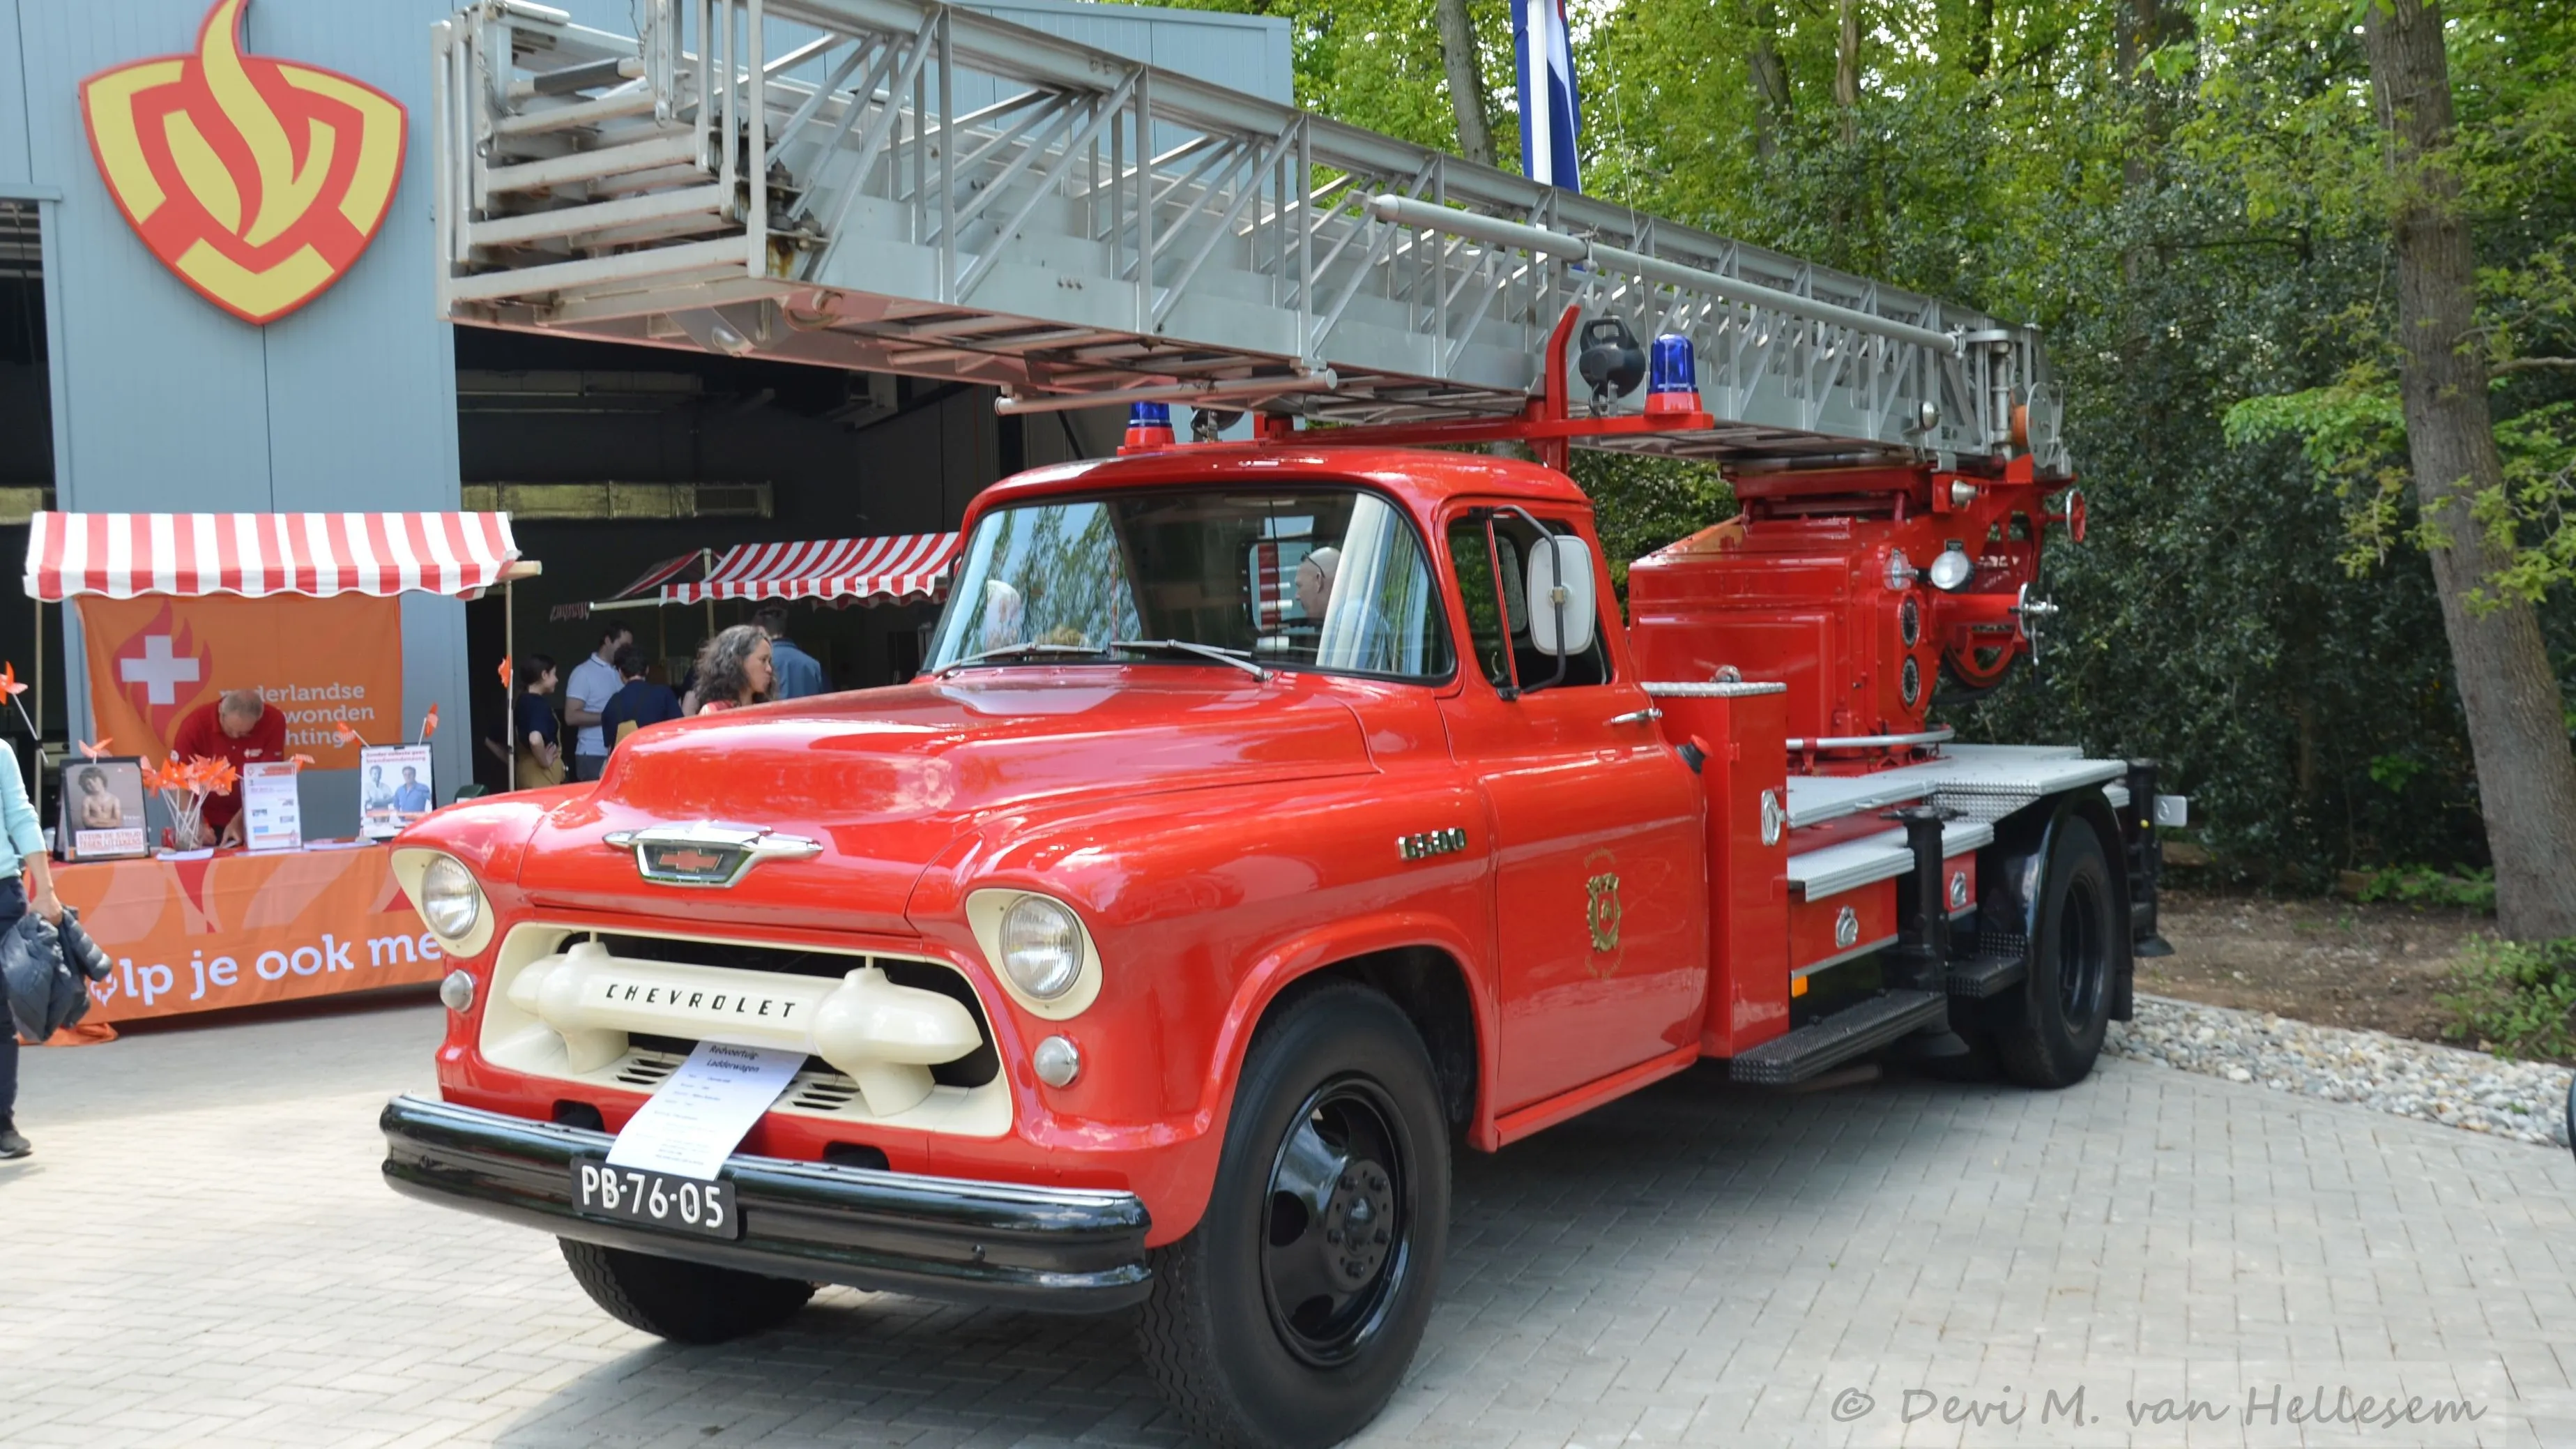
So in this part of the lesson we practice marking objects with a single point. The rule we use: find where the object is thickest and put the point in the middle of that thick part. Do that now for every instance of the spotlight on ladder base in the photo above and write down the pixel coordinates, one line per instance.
(1672, 376)
(1149, 426)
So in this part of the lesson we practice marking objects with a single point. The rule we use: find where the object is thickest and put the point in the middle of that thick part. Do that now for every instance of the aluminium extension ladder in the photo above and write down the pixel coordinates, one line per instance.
(901, 186)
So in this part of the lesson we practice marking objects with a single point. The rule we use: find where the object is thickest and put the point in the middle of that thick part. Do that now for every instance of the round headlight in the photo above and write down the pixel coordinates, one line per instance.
(449, 900)
(1041, 947)
(1951, 570)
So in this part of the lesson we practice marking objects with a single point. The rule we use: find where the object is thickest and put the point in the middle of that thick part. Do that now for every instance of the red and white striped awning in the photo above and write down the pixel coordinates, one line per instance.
(126, 555)
(897, 567)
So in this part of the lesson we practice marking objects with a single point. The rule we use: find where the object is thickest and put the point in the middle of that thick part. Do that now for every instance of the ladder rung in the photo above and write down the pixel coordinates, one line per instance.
(598, 216)
(626, 266)
(590, 165)
(581, 113)
(581, 77)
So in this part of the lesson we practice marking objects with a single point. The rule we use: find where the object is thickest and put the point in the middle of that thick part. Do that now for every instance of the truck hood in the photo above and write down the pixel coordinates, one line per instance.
(886, 779)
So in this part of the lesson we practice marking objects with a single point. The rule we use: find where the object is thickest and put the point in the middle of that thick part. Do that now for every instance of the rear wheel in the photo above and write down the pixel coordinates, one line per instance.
(2049, 1032)
(681, 1301)
(1286, 1319)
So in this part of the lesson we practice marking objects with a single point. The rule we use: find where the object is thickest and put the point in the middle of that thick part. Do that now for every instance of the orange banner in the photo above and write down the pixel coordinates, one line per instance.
(321, 661)
(241, 929)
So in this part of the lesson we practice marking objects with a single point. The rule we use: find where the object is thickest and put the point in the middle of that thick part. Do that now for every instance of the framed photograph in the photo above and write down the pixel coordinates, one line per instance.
(102, 810)
(395, 788)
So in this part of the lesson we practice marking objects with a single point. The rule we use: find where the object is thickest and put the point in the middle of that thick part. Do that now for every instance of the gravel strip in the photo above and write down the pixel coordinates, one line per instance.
(2526, 1101)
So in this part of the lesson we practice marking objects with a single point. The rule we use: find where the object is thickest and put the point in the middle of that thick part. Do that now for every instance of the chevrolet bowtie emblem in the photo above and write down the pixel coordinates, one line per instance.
(705, 853)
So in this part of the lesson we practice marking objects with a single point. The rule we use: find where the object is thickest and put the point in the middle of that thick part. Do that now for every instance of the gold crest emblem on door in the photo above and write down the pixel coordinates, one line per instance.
(1601, 911)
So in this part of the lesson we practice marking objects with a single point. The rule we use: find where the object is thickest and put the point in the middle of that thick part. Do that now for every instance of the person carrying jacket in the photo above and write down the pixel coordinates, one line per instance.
(26, 883)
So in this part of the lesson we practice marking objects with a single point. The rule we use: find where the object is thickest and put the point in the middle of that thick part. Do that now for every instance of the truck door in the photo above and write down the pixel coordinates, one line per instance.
(1601, 894)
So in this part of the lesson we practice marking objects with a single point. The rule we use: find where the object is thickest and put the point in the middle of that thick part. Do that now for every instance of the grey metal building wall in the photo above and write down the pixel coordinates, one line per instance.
(162, 402)
(165, 403)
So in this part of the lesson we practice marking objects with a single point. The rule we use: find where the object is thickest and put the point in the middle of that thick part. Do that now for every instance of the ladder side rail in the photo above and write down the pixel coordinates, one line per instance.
(1223, 226)
(1030, 137)
(862, 48)
(1100, 112)
(755, 145)
(887, 54)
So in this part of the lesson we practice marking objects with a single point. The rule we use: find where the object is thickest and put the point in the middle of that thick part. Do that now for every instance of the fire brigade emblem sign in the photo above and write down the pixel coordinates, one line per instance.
(258, 181)
(1602, 913)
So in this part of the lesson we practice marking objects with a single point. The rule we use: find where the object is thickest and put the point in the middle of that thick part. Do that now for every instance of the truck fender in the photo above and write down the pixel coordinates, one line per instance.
(2013, 884)
(1327, 945)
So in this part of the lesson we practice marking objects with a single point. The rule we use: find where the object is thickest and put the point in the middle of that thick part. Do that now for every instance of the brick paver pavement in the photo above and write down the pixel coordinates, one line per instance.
(216, 1261)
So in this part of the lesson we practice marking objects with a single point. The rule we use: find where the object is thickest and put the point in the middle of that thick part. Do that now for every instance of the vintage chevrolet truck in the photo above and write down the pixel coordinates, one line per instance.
(1269, 822)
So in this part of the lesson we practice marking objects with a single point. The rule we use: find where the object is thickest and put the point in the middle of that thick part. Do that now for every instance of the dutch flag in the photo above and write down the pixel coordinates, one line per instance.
(1549, 103)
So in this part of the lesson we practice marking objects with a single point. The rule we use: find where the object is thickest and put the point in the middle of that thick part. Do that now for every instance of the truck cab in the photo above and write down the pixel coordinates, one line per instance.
(1268, 821)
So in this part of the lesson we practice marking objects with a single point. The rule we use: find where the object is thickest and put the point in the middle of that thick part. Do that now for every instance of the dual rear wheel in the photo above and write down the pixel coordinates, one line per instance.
(2047, 1032)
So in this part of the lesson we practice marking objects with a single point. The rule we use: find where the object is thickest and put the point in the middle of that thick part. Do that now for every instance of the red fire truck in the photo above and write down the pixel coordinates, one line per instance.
(1270, 821)
(1273, 818)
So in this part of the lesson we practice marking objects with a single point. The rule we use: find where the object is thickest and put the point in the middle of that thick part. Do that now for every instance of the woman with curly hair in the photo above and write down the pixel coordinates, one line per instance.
(733, 669)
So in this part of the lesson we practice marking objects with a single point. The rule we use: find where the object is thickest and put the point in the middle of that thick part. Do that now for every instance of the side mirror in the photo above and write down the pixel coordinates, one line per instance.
(1561, 611)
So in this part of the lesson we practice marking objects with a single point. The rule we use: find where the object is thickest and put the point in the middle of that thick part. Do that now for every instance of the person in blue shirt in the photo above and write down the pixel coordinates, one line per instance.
(798, 673)
(26, 884)
(411, 797)
(638, 701)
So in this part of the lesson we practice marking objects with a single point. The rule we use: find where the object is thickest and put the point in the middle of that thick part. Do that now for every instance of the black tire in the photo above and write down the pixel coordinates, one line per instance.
(681, 1301)
(2048, 1033)
(1338, 1072)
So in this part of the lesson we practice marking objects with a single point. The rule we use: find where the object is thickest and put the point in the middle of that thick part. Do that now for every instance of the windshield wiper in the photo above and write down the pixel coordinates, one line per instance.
(1013, 651)
(1239, 658)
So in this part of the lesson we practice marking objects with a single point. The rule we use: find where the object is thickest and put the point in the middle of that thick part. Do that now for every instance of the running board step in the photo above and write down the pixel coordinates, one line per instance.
(1838, 1038)
(1988, 974)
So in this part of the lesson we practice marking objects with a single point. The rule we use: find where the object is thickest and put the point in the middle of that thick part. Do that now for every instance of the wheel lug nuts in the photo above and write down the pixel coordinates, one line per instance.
(1332, 1235)
(1350, 1179)
(1381, 1235)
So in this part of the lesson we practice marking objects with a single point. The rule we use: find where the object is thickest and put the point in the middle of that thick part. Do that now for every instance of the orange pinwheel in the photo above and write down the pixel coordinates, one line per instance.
(505, 674)
(9, 681)
(347, 735)
(97, 750)
(299, 761)
(217, 776)
(429, 724)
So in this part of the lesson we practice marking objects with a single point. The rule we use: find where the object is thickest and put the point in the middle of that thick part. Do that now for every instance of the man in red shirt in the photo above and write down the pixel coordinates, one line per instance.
(239, 727)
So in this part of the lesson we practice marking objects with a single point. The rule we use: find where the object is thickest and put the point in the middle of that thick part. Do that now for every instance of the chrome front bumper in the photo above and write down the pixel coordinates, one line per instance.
(1066, 1250)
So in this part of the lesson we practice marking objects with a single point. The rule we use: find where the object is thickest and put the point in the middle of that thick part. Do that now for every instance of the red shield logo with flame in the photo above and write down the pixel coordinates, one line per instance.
(163, 671)
(258, 181)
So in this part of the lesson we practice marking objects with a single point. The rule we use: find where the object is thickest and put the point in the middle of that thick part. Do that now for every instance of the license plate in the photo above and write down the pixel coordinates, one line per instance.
(655, 1199)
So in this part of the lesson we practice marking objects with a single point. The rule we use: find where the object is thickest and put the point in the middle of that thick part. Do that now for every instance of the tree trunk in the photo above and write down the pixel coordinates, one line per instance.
(1770, 81)
(2516, 717)
(1981, 40)
(1466, 80)
(1847, 68)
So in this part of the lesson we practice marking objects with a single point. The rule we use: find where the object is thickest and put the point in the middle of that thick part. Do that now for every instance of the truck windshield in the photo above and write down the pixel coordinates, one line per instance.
(1329, 579)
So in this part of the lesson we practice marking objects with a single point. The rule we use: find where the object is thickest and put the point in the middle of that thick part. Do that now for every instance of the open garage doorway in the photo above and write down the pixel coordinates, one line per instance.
(611, 459)
(26, 471)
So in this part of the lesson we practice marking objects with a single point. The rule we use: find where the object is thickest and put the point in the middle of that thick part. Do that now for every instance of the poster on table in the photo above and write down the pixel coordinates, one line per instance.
(155, 660)
(394, 788)
(102, 810)
(272, 812)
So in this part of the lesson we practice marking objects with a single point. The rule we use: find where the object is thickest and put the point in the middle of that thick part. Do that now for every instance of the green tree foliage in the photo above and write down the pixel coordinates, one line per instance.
(2190, 199)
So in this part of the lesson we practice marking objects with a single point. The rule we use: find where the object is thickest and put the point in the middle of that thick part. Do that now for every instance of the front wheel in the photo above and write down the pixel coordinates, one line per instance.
(2049, 1032)
(1286, 1319)
(681, 1301)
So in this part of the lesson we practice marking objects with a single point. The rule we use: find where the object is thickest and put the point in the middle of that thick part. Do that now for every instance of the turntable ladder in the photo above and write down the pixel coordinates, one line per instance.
(902, 186)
